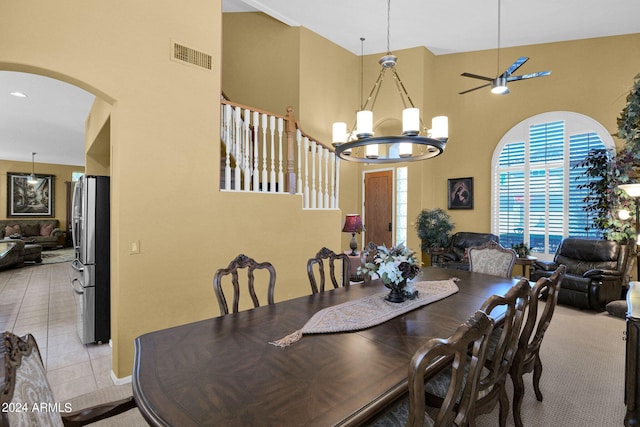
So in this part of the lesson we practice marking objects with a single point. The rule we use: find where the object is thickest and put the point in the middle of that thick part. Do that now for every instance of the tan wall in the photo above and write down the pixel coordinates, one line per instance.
(62, 174)
(163, 127)
(590, 77)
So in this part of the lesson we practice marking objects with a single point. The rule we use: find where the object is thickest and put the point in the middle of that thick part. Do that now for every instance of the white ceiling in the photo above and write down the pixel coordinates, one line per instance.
(50, 121)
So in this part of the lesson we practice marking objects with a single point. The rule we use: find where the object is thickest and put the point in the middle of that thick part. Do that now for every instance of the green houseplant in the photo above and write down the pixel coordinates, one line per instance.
(607, 170)
(433, 227)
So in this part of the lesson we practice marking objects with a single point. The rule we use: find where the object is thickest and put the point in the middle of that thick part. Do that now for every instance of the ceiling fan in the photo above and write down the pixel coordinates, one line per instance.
(499, 83)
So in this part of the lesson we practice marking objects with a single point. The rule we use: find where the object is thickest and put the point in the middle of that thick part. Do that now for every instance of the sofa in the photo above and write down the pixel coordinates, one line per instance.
(596, 271)
(456, 254)
(43, 232)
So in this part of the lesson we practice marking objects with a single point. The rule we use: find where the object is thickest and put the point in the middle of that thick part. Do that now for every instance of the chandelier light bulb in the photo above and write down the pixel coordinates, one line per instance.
(364, 123)
(410, 121)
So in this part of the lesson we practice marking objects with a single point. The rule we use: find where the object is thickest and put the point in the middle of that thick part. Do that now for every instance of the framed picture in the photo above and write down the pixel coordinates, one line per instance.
(29, 199)
(460, 193)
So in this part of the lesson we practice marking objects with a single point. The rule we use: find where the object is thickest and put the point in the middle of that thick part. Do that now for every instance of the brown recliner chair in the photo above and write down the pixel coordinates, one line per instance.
(596, 271)
(456, 254)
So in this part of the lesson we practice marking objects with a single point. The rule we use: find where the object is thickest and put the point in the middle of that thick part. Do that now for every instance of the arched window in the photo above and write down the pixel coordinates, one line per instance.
(535, 195)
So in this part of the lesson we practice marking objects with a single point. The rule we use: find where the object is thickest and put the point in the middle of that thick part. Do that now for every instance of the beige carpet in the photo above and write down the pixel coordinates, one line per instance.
(56, 256)
(582, 381)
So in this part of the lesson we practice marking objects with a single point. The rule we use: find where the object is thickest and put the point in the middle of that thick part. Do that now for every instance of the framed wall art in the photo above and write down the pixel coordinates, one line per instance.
(460, 193)
(27, 199)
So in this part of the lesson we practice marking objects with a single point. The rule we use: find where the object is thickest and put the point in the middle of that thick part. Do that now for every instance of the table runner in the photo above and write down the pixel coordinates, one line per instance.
(369, 311)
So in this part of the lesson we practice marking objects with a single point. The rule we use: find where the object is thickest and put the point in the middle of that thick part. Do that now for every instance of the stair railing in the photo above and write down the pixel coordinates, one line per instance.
(261, 148)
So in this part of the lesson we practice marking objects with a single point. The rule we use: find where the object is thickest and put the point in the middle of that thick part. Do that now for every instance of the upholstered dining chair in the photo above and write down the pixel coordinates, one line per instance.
(241, 262)
(333, 260)
(500, 355)
(464, 372)
(26, 397)
(492, 258)
(527, 357)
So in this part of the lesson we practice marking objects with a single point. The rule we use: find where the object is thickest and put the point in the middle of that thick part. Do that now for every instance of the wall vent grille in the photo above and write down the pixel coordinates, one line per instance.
(191, 56)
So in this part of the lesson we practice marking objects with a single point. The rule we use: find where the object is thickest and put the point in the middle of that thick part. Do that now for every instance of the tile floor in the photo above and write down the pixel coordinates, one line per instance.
(38, 299)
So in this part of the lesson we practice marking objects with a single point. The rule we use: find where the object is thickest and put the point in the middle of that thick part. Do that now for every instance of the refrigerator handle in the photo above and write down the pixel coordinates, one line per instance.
(77, 266)
(79, 292)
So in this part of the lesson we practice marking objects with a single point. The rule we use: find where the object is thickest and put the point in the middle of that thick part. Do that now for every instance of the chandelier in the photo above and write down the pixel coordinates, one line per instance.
(416, 142)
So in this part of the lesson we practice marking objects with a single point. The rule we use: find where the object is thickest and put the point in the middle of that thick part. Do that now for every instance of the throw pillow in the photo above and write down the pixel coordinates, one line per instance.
(31, 230)
(11, 229)
(46, 230)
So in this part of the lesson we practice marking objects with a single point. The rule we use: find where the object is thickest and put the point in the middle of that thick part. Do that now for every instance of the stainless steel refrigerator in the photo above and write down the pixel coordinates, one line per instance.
(92, 275)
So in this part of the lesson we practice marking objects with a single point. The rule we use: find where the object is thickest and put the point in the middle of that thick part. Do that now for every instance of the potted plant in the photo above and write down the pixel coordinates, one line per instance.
(433, 227)
(521, 249)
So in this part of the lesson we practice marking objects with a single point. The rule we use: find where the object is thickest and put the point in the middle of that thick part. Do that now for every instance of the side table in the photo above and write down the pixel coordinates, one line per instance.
(526, 263)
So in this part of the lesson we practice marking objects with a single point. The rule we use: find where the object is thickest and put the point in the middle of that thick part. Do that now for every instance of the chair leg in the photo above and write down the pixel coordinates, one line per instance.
(537, 373)
(504, 407)
(518, 396)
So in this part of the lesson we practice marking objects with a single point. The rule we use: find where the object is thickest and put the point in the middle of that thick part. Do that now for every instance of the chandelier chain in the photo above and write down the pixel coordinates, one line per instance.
(388, 26)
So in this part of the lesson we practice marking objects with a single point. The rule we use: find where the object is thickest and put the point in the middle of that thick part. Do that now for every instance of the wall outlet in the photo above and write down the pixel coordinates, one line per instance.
(135, 247)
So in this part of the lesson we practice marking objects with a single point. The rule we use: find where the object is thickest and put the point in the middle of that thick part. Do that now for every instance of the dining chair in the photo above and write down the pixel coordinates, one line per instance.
(333, 260)
(492, 258)
(527, 357)
(26, 397)
(500, 354)
(463, 373)
(240, 262)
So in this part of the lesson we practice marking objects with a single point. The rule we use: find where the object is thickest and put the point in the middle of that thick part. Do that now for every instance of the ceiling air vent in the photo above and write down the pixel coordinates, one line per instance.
(184, 54)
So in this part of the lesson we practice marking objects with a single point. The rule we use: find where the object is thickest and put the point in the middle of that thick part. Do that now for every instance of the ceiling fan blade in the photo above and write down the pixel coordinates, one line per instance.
(475, 88)
(475, 76)
(515, 66)
(528, 76)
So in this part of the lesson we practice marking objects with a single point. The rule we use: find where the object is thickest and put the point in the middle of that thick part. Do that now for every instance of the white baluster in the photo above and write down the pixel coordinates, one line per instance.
(313, 174)
(272, 155)
(255, 154)
(325, 203)
(332, 190)
(319, 204)
(228, 144)
(264, 178)
(337, 191)
(280, 173)
(237, 141)
(306, 171)
(246, 151)
(299, 146)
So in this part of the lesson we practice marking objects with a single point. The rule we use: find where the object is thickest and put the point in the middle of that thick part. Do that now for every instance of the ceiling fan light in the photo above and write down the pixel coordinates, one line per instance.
(499, 85)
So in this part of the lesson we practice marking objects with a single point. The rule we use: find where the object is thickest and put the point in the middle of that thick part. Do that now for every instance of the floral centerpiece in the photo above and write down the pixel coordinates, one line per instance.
(394, 266)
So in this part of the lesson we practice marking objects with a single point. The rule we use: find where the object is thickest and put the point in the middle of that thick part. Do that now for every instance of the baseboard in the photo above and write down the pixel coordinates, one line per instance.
(120, 381)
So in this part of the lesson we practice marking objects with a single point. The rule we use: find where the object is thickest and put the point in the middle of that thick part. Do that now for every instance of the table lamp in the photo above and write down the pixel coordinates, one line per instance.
(633, 190)
(353, 225)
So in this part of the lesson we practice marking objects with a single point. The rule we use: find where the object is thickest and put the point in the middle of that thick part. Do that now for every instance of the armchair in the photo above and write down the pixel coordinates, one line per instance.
(456, 254)
(596, 271)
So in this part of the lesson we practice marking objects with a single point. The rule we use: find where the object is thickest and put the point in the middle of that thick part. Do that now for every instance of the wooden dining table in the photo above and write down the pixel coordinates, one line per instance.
(224, 371)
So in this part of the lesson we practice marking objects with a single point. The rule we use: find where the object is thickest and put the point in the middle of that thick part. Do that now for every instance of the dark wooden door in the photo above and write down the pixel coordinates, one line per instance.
(378, 207)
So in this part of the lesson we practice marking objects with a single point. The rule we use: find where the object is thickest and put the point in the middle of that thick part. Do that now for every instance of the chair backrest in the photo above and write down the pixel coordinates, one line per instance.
(529, 345)
(25, 384)
(492, 258)
(331, 259)
(463, 388)
(502, 354)
(240, 262)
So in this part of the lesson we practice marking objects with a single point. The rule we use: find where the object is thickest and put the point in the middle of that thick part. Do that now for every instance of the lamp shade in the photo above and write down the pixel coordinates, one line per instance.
(352, 224)
(440, 127)
(633, 190)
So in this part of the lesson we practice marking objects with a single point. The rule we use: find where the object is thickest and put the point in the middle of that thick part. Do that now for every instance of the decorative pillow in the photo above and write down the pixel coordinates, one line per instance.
(31, 230)
(46, 230)
(11, 229)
